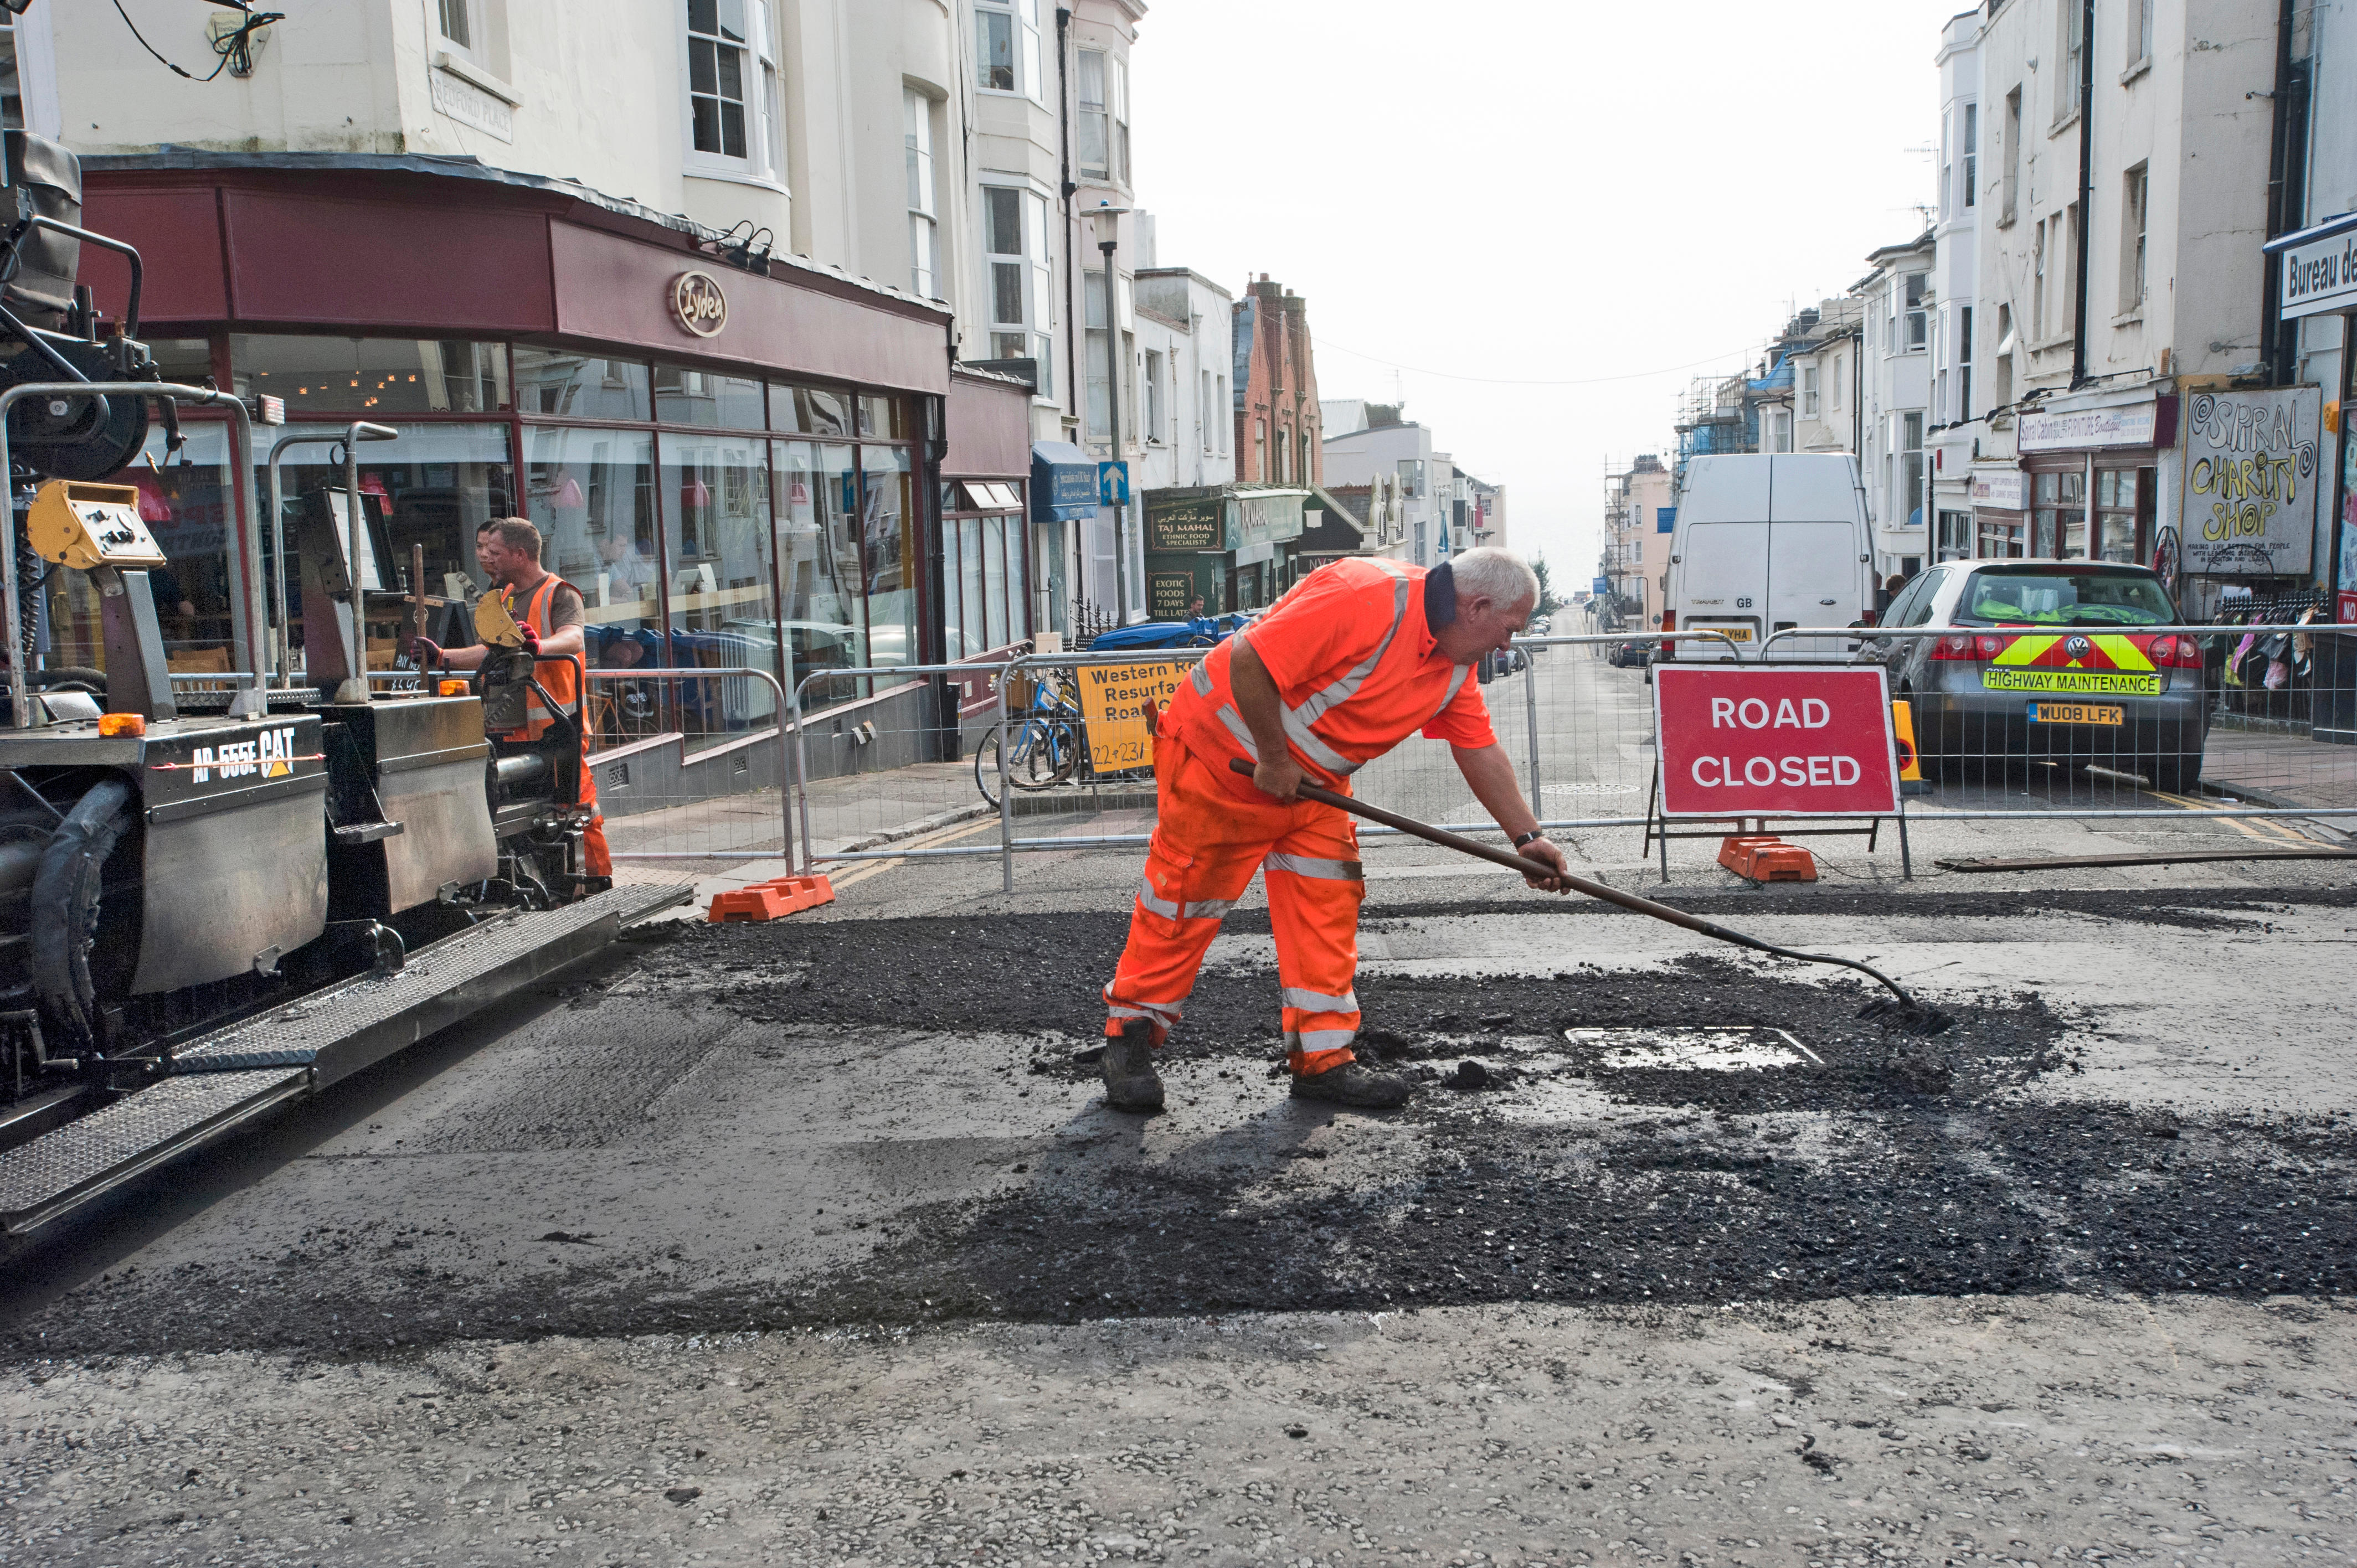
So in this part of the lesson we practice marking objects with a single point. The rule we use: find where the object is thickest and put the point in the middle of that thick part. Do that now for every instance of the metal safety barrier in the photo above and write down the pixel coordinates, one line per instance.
(692, 763)
(2120, 720)
(999, 758)
(885, 753)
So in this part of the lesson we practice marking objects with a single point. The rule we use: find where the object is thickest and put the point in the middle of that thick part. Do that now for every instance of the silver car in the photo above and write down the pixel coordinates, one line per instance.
(2046, 660)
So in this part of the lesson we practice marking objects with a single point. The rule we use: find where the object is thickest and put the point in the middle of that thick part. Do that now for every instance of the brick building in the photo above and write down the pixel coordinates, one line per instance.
(1277, 436)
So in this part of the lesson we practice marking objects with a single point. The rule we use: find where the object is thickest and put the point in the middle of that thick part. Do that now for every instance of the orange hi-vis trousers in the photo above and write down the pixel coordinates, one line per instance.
(1206, 846)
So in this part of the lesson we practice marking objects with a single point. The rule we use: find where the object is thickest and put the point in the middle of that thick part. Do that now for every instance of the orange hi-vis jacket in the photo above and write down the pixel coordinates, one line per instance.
(562, 681)
(1355, 666)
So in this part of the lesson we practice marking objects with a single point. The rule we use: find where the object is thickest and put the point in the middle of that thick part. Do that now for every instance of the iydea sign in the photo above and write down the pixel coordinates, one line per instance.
(697, 303)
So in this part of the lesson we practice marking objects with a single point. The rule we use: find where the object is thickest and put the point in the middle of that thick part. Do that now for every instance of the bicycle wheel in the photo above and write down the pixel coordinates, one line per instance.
(988, 764)
(1044, 754)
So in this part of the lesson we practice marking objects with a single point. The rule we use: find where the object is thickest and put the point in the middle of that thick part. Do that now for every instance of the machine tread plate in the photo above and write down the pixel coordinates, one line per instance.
(305, 1030)
(81, 1159)
(220, 1080)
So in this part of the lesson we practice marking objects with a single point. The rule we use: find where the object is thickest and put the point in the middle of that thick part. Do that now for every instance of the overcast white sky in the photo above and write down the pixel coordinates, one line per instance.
(1537, 191)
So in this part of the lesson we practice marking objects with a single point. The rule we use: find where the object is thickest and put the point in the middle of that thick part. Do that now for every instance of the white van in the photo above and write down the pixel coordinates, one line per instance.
(1765, 542)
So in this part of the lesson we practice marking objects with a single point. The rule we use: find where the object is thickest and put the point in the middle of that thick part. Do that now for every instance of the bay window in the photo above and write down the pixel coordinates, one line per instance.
(1014, 236)
(1008, 57)
(733, 110)
(917, 138)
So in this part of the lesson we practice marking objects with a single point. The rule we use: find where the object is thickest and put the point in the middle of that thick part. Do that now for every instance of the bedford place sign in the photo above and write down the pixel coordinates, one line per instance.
(1778, 741)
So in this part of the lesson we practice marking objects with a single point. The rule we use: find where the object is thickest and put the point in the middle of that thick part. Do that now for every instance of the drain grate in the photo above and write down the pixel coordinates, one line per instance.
(1709, 1048)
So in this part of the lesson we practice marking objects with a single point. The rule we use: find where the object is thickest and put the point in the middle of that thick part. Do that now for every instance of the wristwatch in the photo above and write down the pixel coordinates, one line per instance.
(1533, 834)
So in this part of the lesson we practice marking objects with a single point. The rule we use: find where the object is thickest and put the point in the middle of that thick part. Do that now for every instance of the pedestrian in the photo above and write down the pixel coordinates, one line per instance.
(1361, 654)
(549, 610)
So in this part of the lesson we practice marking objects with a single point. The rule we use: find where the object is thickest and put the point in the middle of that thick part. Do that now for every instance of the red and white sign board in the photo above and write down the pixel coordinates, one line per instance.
(1775, 741)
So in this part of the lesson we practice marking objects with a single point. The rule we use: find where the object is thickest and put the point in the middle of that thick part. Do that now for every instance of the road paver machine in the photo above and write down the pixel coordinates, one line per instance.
(169, 858)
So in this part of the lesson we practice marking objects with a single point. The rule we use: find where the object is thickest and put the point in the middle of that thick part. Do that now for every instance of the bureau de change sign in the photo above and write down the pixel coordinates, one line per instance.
(1775, 741)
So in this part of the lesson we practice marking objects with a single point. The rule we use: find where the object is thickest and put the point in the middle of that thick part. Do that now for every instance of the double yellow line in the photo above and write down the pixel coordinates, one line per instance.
(878, 867)
(2276, 832)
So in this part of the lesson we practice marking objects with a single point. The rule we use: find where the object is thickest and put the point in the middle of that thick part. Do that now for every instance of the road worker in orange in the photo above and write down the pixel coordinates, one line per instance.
(1354, 658)
(549, 612)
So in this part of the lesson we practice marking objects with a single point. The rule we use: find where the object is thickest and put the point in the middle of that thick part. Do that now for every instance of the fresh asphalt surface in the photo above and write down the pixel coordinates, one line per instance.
(805, 1243)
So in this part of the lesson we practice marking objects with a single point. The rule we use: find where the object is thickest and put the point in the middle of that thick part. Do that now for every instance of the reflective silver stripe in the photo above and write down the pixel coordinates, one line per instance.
(1324, 870)
(1169, 909)
(1325, 1039)
(1312, 744)
(1242, 732)
(1454, 681)
(1318, 1002)
(1201, 678)
(1343, 690)
(1166, 1010)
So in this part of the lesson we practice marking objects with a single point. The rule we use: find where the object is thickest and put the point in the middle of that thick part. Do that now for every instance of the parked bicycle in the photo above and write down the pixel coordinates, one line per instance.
(1050, 741)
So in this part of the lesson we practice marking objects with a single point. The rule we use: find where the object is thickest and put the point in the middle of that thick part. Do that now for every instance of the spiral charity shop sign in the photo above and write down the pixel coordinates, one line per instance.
(1775, 741)
(2252, 472)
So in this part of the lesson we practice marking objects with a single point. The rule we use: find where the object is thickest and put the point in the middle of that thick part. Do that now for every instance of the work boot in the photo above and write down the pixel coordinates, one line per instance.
(1130, 1081)
(1353, 1084)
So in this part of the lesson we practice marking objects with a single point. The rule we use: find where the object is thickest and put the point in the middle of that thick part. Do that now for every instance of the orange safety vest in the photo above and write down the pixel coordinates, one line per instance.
(1356, 668)
(558, 677)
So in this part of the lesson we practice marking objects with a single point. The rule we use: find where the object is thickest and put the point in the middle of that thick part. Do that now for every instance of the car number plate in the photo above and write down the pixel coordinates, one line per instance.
(2076, 713)
(1732, 633)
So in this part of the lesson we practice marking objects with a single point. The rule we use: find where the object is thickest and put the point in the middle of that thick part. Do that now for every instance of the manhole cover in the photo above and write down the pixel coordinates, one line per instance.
(1734, 1048)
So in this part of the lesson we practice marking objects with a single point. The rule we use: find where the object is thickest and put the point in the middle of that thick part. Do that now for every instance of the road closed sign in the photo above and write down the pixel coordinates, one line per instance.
(1778, 741)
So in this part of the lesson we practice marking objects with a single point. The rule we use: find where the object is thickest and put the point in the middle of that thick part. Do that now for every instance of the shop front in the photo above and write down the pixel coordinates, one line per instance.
(2094, 474)
(1262, 525)
(1186, 550)
(2316, 278)
(733, 468)
(2000, 517)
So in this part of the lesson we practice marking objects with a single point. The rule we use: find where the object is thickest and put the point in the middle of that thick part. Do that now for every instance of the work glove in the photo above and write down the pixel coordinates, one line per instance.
(424, 652)
(530, 640)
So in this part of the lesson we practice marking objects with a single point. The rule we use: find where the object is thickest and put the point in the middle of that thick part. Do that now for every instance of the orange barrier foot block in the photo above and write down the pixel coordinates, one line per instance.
(768, 900)
(1759, 859)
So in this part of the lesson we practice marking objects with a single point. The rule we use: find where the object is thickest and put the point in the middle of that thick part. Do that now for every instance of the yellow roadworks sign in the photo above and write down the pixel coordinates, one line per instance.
(1113, 702)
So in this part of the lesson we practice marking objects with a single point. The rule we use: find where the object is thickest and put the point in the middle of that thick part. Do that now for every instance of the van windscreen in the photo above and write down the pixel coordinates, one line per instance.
(2064, 598)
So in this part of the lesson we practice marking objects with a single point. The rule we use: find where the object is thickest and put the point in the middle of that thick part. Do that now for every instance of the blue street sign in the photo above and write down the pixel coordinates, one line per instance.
(1665, 519)
(1113, 484)
(1600, 586)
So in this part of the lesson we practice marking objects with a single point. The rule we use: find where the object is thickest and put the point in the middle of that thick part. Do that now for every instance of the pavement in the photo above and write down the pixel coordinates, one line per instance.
(807, 1243)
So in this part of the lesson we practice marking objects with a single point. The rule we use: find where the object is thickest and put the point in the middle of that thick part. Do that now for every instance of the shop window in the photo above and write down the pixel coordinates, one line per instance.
(374, 377)
(809, 410)
(568, 384)
(717, 542)
(2123, 514)
(186, 504)
(1956, 541)
(2000, 536)
(708, 398)
(592, 494)
(818, 553)
(2059, 514)
(187, 360)
(440, 483)
(1007, 56)
(884, 417)
(982, 566)
(887, 531)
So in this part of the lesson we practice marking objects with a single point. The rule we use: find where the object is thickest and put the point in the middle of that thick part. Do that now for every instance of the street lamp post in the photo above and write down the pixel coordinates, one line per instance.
(1105, 218)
